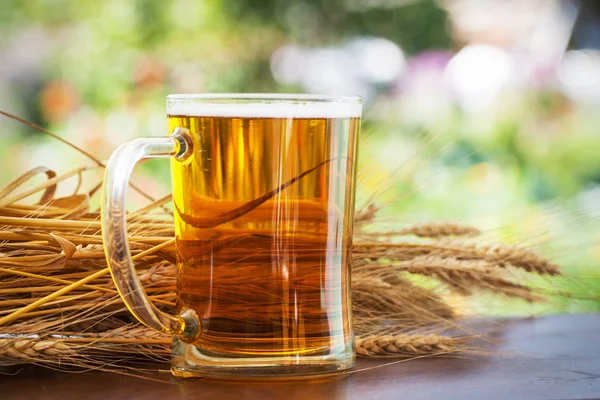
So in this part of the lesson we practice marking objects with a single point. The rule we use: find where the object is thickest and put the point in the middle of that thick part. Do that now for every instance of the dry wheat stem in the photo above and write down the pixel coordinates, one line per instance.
(400, 301)
(53, 279)
(74, 285)
(72, 145)
(36, 189)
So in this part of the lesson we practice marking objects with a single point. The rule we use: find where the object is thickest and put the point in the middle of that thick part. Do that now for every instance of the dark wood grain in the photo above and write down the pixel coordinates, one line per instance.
(554, 357)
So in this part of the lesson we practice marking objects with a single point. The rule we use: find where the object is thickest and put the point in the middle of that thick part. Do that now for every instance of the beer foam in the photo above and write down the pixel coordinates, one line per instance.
(275, 109)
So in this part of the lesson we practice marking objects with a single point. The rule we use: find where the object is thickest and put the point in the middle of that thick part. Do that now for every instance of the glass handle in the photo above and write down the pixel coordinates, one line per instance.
(114, 232)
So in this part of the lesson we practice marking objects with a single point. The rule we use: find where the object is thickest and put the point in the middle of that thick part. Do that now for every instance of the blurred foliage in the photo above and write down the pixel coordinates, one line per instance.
(97, 73)
(415, 27)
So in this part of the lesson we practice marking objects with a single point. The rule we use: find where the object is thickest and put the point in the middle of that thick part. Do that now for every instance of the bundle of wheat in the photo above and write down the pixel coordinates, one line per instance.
(59, 306)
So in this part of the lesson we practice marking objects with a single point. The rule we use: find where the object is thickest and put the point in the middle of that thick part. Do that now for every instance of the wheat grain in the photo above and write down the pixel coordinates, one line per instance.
(504, 255)
(467, 276)
(431, 230)
(34, 349)
(365, 215)
(404, 345)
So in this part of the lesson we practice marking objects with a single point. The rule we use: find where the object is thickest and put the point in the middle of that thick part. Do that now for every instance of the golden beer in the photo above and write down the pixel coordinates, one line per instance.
(272, 279)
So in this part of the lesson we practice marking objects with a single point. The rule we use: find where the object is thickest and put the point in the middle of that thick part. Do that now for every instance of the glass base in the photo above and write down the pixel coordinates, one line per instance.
(188, 361)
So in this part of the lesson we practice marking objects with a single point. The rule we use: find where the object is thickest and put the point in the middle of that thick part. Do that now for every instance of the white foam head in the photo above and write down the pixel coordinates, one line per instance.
(264, 106)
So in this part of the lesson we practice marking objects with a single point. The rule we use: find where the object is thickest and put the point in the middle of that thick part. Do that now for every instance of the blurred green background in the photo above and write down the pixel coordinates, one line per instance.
(481, 112)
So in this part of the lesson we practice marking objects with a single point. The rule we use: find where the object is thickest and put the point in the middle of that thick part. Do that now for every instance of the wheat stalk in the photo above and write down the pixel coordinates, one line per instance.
(405, 345)
(434, 229)
(22, 349)
(503, 255)
(466, 276)
(377, 303)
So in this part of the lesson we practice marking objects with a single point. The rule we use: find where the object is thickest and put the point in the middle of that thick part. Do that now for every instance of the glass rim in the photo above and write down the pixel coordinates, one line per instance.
(265, 97)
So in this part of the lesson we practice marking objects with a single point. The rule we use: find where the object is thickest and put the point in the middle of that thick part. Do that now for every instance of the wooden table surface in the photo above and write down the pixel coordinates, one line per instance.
(555, 357)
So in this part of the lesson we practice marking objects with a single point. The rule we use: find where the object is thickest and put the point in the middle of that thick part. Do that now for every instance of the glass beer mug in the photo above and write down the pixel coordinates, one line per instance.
(263, 193)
